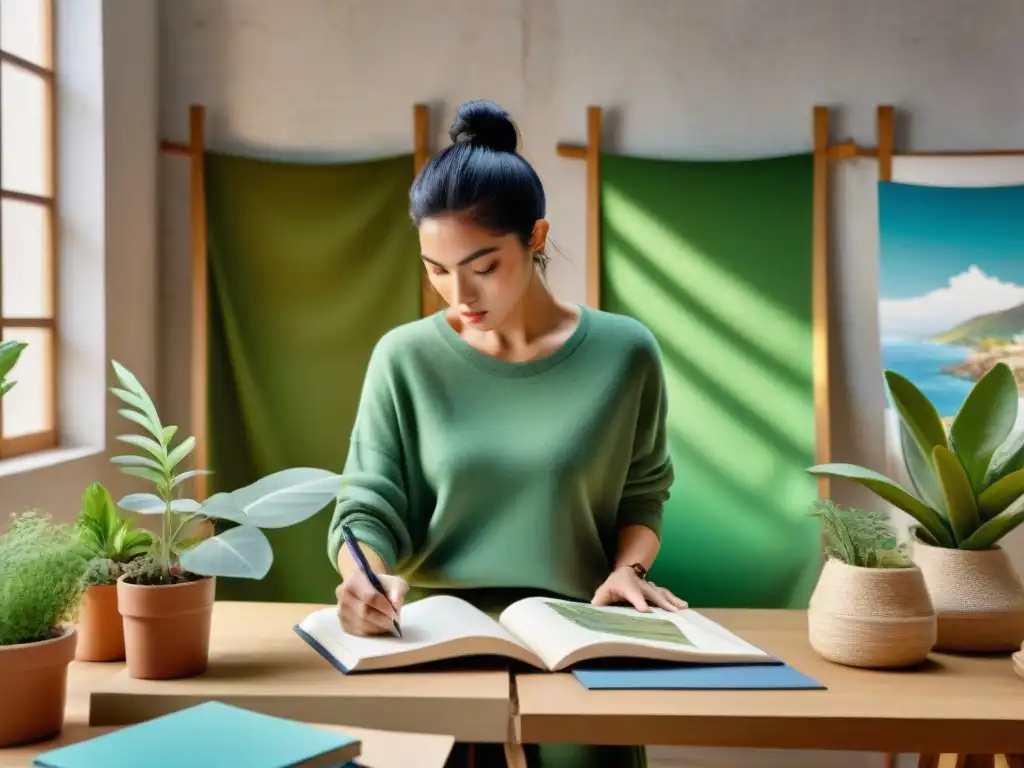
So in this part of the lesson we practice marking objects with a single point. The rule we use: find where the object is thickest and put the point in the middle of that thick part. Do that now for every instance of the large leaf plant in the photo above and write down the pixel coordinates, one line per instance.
(967, 482)
(281, 499)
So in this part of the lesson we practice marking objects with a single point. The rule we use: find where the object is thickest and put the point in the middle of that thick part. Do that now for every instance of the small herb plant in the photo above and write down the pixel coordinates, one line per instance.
(41, 578)
(10, 351)
(111, 540)
(281, 499)
(863, 538)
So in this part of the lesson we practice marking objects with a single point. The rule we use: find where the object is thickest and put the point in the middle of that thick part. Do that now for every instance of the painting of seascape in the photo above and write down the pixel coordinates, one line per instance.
(951, 286)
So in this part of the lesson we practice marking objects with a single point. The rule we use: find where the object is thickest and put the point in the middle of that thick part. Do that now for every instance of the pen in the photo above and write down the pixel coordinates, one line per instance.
(357, 554)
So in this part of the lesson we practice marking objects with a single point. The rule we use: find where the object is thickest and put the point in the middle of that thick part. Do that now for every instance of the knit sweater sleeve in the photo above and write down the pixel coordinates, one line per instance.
(650, 472)
(374, 500)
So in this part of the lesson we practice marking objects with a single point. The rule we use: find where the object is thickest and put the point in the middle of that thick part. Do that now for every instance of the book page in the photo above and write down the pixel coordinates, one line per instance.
(561, 630)
(428, 625)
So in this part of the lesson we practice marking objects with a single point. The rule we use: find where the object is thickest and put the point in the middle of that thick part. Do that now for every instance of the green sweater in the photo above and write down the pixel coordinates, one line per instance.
(466, 471)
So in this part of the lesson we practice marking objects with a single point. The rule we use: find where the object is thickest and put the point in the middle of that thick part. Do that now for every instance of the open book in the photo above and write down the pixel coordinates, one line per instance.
(542, 632)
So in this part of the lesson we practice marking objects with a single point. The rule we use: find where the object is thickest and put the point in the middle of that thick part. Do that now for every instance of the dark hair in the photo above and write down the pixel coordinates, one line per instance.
(481, 175)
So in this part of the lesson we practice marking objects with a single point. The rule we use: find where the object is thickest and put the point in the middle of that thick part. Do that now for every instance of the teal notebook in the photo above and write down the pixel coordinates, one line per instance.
(208, 735)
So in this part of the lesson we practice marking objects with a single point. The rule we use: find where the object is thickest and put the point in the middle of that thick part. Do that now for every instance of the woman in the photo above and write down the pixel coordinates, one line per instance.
(512, 444)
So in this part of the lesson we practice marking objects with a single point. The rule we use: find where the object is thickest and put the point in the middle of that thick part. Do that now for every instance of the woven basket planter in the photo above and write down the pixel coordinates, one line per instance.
(871, 617)
(978, 598)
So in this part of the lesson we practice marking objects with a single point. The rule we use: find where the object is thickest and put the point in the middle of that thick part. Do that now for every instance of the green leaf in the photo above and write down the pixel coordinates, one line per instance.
(188, 475)
(1000, 494)
(6, 387)
(241, 552)
(169, 432)
(143, 503)
(147, 444)
(132, 385)
(984, 421)
(10, 351)
(278, 500)
(184, 449)
(895, 494)
(141, 420)
(137, 461)
(146, 474)
(128, 398)
(1008, 459)
(961, 506)
(921, 429)
(991, 531)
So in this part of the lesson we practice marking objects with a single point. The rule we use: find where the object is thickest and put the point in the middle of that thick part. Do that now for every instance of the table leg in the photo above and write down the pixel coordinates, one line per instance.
(515, 756)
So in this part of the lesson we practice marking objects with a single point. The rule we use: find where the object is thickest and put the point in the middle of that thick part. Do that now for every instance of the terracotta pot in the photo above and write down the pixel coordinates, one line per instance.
(34, 690)
(100, 629)
(978, 597)
(166, 628)
(871, 617)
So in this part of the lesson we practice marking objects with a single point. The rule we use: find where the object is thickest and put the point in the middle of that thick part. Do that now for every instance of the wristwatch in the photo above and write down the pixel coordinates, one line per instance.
(639, 570)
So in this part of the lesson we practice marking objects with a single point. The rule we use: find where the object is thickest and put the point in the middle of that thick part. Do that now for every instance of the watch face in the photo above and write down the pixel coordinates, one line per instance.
(639, 570)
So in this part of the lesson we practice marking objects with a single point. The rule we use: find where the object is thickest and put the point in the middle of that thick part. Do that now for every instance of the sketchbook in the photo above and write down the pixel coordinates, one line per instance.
(544, 633)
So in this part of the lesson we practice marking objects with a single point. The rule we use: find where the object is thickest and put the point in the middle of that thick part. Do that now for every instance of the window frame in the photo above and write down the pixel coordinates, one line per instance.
(21, 445)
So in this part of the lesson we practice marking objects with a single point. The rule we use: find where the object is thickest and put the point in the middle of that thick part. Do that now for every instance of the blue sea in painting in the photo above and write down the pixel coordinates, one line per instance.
(922, 363)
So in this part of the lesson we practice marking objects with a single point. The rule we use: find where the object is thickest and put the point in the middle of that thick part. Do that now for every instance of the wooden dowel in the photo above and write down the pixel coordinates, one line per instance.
(820, 298)
(175, 148)
(886, 141)
(430, 301)
(573, 151)
(200, 298)
(593, 156)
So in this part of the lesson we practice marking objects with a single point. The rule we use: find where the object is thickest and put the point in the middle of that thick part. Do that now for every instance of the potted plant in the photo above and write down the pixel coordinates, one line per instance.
(967, 493)
(870, 607)
(112, 542)
(166, 595)
(41, 569)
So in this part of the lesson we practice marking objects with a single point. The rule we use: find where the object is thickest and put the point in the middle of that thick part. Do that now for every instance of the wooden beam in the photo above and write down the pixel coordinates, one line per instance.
(175, 148)
(430, 301)
(820, 297)
(593, 271)
(591, 153)
(886, 141)
(573, 151)
(200, 295)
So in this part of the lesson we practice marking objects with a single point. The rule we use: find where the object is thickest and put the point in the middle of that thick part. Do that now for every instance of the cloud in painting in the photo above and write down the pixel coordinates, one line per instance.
(965, 296)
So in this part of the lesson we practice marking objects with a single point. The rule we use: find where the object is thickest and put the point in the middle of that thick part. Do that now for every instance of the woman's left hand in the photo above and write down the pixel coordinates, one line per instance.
(623, 585)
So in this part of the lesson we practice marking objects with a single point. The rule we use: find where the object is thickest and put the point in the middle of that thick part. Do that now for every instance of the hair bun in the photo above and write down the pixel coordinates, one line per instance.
(483, 123)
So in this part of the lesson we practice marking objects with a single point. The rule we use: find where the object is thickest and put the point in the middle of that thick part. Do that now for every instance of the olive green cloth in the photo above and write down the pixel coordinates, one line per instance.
(310, 264)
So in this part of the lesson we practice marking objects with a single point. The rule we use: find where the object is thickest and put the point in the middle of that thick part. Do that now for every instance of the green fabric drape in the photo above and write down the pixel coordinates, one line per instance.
(715, 257)
(310, 264)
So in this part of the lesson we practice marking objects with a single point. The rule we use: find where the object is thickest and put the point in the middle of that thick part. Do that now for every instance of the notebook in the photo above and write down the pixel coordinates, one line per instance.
(209, 735)
(542, 632)
(736, 677)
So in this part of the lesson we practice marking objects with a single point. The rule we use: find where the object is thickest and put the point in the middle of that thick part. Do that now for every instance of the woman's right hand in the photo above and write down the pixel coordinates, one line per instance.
(365, 611)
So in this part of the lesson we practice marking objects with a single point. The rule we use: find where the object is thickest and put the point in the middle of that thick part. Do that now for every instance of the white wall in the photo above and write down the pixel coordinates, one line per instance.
(688, 78)
(107, 69)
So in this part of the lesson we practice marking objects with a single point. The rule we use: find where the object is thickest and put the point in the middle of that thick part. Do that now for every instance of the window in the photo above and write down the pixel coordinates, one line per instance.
(28, 230)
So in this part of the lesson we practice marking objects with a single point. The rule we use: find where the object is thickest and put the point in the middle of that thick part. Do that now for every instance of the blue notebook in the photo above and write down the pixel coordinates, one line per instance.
(208, 735)
(739, 677)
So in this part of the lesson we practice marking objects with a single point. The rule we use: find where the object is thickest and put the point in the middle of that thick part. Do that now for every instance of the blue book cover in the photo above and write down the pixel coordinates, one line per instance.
(739, 677)
(207, 735)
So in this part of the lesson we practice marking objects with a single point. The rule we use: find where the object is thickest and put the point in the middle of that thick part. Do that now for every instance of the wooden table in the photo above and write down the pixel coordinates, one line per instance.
(951, 704)
(258, 662)
(380, 748)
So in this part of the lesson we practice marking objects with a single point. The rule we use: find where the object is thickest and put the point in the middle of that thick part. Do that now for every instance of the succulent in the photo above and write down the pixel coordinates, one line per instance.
(968, 481)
